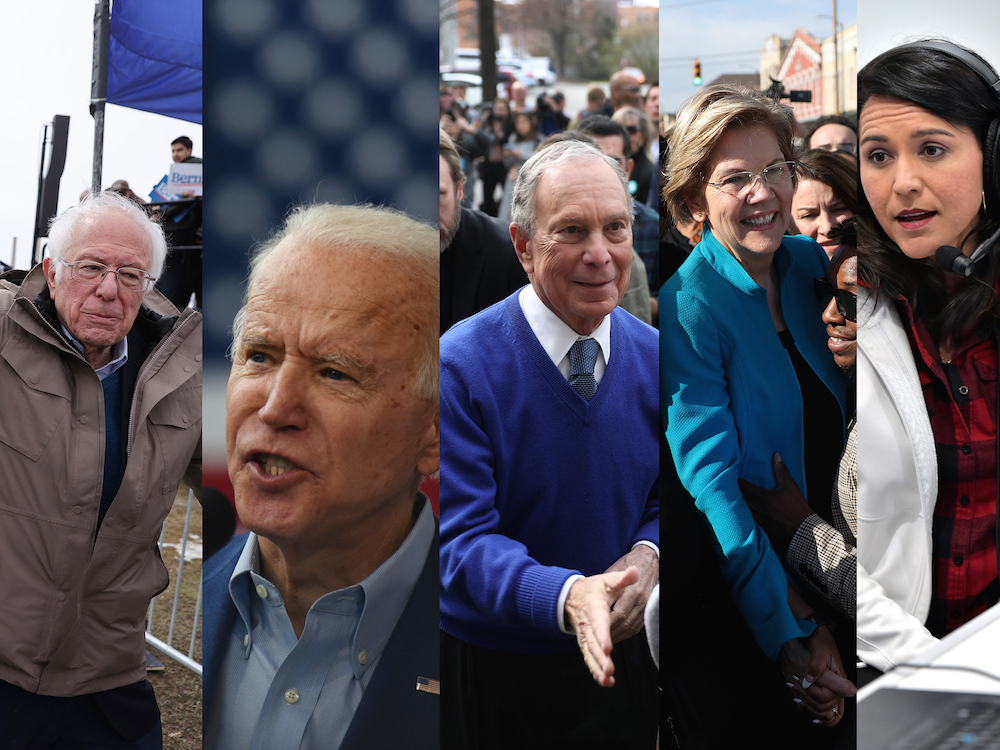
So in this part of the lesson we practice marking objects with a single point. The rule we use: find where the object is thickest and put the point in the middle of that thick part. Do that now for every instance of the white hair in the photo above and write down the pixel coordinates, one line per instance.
(522, 211)
(379, 232)
(63, 228)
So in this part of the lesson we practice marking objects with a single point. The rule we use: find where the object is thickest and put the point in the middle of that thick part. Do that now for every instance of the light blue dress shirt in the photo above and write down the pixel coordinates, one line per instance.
(119, 354)
(279, 692)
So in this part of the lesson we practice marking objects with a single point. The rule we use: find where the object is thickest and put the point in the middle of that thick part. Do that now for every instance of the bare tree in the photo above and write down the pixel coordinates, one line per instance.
(639, 45)
(560, 19)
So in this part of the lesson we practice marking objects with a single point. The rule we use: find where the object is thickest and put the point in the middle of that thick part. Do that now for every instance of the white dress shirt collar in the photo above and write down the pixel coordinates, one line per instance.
(557, 338)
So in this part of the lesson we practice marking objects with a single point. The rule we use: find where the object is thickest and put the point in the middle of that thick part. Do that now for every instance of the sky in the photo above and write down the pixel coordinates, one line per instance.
(726, 36)
(887, 23)
(46, 49)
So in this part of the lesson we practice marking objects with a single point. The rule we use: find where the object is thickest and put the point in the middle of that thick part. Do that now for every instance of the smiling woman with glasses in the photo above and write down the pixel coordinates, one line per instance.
(745, 369)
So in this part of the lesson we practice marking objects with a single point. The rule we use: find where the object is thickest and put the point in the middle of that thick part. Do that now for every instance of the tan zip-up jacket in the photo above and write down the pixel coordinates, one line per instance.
(71, 606)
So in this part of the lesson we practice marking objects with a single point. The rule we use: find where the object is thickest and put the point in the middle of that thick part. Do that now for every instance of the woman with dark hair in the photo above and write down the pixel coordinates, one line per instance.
(927, 348)
(826, 197)
(523, 142)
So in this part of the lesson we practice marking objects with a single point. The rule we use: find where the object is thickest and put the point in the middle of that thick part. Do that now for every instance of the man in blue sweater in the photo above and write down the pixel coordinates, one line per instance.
(549, 489)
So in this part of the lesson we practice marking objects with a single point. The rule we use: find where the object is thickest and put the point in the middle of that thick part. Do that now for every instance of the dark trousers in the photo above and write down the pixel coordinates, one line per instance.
(43, 722)
(495, 699)
(493, 174)
(721, 691)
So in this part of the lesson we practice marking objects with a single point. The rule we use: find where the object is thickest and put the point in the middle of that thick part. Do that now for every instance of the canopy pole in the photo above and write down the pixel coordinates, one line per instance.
(99, 85)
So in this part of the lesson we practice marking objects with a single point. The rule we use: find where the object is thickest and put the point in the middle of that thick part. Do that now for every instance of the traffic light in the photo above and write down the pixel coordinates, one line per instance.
(697, 73)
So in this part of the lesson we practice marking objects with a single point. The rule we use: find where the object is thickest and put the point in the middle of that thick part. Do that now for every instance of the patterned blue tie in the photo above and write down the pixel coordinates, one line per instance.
(582, 357)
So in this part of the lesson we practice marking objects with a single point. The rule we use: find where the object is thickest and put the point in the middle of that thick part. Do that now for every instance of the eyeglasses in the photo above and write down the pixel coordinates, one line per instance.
(632, 129)
(739, 183)
(92, 273)
(844, 148)
(847, 302)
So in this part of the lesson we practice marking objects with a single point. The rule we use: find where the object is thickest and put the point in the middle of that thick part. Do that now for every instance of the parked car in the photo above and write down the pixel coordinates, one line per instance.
(518, 69)
(474, 85)
(541, 68)
(466, 60)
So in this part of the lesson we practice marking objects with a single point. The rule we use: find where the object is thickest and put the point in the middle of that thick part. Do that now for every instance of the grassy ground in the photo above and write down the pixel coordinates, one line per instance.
(178, 689)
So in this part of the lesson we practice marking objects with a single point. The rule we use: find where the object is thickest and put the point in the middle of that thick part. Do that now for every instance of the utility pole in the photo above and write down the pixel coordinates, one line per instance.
(836, 61)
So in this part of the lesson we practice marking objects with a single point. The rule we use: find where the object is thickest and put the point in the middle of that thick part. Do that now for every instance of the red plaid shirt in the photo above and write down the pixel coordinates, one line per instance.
(961, 400)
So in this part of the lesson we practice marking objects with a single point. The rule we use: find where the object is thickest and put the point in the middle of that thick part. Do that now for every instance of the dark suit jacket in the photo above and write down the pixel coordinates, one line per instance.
(392, 714)
(479, 268)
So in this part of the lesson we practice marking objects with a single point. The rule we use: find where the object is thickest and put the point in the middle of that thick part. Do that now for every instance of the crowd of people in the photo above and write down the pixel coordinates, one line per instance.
(889, 532)
(482, 153)
(761, 239)
(485, 264)
(495, 139)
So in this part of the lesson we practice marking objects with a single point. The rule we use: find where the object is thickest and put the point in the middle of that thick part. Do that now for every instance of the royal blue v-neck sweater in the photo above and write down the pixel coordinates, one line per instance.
(537, 484)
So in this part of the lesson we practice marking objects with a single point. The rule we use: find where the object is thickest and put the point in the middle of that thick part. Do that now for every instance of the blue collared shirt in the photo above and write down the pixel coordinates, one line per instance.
(279, 692)
(119, 354)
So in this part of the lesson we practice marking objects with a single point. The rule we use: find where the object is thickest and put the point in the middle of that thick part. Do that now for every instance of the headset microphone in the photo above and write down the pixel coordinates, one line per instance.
(952, 259)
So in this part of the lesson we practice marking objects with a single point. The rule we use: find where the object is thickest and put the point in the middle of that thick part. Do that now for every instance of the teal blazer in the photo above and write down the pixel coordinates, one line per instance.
(730, 399)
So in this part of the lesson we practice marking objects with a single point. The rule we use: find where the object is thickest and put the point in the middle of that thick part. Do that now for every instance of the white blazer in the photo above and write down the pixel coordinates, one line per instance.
(897, 490)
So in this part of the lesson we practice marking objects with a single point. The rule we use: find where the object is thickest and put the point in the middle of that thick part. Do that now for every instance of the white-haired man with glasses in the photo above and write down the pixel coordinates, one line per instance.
(100, 419)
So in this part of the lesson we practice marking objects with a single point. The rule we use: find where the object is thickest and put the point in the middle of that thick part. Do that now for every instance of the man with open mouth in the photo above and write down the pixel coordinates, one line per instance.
(324, 619)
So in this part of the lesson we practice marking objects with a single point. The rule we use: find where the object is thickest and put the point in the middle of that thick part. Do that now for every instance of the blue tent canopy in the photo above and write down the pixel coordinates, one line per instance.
(155, 57)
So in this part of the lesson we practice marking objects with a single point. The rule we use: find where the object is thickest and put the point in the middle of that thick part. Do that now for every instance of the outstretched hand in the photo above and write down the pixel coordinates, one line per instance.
(627, 617)
(588, 608)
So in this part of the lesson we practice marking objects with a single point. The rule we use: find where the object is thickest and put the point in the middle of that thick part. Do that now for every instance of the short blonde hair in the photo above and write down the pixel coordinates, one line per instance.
(378, 232)
(630, 115)
(700, 125)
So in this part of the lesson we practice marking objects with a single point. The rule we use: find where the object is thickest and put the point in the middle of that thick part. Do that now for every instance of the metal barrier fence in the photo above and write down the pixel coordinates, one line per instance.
(168, 647)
